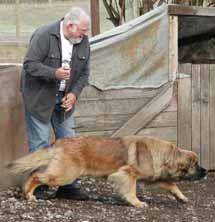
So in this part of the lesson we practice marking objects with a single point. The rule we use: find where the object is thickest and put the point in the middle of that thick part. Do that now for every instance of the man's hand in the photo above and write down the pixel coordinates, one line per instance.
(62, 74)
(68, 101)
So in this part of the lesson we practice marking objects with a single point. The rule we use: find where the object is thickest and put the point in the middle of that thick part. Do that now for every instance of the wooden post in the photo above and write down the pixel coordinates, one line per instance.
(18, 31)
(95, 23)
(173, 47)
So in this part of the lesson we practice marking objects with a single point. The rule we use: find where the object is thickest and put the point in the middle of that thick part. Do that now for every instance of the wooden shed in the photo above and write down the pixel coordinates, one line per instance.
(181, 110)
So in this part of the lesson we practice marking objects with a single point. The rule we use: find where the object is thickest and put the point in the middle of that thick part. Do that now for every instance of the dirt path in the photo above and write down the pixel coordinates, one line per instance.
(103, 206)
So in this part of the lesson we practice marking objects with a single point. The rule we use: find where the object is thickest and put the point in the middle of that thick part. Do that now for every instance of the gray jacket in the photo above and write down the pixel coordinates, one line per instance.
(38, 83)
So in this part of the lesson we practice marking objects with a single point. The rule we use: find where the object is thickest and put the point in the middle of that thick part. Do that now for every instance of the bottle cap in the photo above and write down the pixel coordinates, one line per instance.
(66, 66)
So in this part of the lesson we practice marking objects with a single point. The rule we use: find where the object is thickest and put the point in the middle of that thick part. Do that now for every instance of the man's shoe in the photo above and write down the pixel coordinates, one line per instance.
(43, 187)
(71, 194)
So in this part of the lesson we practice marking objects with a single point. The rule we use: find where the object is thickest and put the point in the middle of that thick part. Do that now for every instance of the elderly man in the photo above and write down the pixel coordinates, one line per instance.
(55, 70)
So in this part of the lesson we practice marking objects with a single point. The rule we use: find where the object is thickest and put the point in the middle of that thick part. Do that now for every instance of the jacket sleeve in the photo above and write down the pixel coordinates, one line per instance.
(82, 81)
(35, 57)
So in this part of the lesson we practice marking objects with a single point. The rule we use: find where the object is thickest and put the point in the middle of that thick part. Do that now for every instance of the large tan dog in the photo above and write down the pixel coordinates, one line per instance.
(123, 160)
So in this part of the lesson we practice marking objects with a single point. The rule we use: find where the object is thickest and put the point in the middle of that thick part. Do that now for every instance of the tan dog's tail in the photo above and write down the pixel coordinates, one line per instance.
(32, 162)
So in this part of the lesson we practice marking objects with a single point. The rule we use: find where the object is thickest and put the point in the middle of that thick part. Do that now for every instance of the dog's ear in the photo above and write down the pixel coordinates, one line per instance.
(190, 157)
(143, 157)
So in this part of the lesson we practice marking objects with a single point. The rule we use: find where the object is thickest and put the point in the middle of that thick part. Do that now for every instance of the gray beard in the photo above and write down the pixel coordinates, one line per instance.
(75, 40)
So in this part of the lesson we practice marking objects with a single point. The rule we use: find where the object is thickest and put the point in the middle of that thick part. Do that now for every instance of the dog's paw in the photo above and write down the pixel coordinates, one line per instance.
(140, 204)
(29, 197)
(182, 199)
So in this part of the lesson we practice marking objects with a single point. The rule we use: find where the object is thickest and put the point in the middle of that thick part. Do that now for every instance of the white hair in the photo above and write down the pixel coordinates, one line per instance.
(75, 15)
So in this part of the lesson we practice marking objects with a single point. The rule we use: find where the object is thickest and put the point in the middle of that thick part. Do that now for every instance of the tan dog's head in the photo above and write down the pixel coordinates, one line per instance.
(183, 166)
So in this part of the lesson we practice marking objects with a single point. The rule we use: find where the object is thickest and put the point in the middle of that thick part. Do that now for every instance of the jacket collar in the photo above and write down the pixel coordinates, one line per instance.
(55, 28)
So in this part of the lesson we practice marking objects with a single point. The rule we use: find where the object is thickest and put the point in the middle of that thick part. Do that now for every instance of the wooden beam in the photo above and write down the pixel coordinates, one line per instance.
(95, 23)
(166, 133)
(190, 10)
(147, 113)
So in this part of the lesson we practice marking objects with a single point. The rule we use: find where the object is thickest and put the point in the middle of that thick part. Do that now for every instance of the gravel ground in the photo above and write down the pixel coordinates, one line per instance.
(105, 206)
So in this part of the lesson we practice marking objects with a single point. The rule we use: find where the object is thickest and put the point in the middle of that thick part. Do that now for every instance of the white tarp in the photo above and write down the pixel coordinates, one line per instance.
(132, 55)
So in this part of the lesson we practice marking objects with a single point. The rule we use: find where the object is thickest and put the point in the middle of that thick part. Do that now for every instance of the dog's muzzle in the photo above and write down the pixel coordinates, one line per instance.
(200, 173)
(203, 172)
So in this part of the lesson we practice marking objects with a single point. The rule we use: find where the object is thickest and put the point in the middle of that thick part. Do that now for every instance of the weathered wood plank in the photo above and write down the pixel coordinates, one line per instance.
(196, 107)
(95, 133)
(91, 93)
(173, 105)
(99, 123)
(184, 113)
(190, 10)
(173, 47)
(147, 113)
(113, 122)
(212, 117)
(205, 117)
(166, 133)
(164, 119)
(101, 107)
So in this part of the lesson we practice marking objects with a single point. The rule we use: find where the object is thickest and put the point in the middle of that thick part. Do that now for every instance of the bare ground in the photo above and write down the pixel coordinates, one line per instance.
(104, 206)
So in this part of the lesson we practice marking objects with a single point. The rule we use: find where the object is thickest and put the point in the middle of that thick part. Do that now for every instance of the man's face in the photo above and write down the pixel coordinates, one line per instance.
(77, 32)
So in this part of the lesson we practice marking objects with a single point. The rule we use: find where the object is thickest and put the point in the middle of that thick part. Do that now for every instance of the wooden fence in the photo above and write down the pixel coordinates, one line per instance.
(183, 114)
